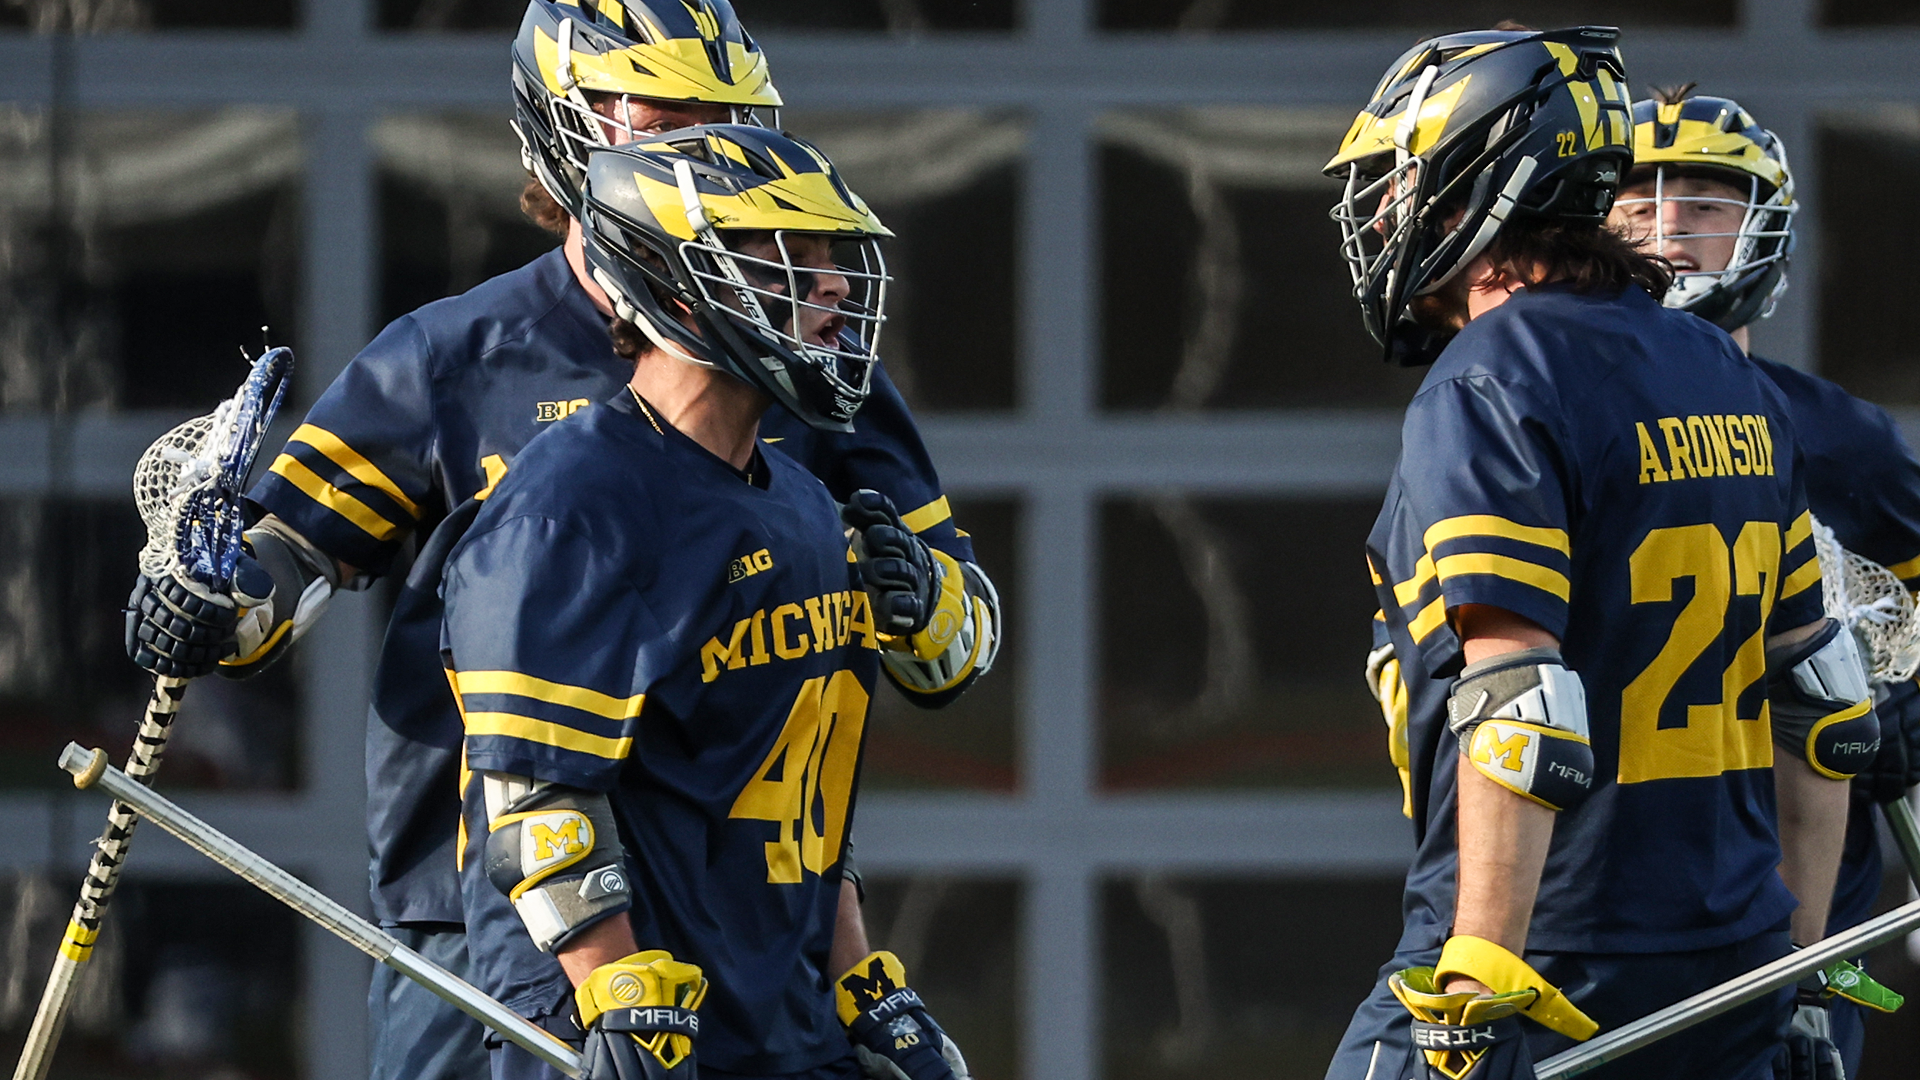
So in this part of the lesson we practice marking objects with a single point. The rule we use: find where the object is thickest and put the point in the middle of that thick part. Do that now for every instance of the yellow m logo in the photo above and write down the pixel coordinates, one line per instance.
(1491, 749)
(566, 838)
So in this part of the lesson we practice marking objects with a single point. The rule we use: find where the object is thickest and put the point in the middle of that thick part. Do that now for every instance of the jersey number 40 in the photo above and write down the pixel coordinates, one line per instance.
(806, 782)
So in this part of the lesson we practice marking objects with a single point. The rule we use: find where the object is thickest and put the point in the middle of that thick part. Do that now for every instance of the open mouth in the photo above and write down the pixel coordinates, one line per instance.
(1683, 263)
(827, 334)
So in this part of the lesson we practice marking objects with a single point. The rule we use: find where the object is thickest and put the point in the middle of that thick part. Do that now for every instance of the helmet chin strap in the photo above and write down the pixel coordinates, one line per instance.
(633, 315)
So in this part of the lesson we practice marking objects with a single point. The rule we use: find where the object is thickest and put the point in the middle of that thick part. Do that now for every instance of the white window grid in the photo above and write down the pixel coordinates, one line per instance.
(1057, 451)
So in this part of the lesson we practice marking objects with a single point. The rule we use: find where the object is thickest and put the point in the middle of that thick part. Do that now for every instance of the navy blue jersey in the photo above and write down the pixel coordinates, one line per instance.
(1863, 483)
(1622, 476)
(430, 415)
(626, 615)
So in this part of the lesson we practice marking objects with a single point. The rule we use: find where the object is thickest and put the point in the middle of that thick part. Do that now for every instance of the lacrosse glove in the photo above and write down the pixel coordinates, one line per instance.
(892, 1034)
(184, 634)
(896, 566)
(1896, 768)
(641, 1016)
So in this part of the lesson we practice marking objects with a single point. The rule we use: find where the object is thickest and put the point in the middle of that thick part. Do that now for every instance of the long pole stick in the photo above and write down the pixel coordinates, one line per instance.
(1906, 834)
(103, 874)
(1731, 994)
(90, 769)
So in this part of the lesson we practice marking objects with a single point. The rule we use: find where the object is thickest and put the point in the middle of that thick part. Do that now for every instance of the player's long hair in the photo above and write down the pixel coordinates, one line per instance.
(1587, 256)
(543, 210)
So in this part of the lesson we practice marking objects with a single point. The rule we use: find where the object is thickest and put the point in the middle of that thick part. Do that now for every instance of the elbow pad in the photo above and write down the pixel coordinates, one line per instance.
(304, 581)
(555, 854)
(1521, 718)
(1821, 704)
(960, 641)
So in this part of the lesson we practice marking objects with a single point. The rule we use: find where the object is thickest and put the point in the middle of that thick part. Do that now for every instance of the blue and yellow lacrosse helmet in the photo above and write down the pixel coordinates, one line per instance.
(666, 50)
(665, 220)
(1480, 126)
(1678, 135)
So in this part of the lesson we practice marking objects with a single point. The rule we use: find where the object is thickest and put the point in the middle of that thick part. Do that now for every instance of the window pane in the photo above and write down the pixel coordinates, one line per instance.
(1414, 16)
(1197, 973)
(1868, 329)
(449, 207)
(970, 743)
(893, 16)
(187, 980)
(959, 940)
(947, 182)
(47, 16)
(65, 570)
(1223, 282)
(175, 237)
(1869, 12)
(1233, 636)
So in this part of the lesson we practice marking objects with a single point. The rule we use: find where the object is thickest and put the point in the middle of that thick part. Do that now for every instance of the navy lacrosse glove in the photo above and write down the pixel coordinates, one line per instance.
(896, 565)
(176, 632)
(641, 1016)
(892, 1034)
(1896, 768)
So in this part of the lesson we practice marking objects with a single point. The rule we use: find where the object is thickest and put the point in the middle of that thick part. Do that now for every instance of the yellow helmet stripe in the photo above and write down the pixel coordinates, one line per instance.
(1372, 135)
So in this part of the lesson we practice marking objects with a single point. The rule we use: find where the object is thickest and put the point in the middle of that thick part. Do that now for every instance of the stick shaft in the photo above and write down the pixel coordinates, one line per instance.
(103, 875)
(1731, 994)
(327, 912)
(1906, 834)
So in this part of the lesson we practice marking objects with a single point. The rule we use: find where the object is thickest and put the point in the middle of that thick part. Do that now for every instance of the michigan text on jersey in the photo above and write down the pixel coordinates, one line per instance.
(829, 621)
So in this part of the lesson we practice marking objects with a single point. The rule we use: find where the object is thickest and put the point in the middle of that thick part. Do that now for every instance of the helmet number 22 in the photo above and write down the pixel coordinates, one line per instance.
(1565, 141)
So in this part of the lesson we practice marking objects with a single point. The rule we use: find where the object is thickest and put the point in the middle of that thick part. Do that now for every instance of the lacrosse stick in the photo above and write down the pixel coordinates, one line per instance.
(90, 769)
(1866, 598)
(1731, 994)
(187, 487)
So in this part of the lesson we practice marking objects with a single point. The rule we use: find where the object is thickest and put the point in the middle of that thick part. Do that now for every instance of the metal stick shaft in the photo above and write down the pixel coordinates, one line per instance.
(103, 875)
(318, 907)
(1906, 834)
(1728, 995)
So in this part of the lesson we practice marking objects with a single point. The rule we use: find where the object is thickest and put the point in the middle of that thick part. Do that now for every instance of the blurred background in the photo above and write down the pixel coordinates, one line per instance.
(1163, 838)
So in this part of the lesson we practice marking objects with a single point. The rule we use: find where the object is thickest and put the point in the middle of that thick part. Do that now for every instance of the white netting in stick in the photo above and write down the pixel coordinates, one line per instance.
(1873, 604)
(184, 460)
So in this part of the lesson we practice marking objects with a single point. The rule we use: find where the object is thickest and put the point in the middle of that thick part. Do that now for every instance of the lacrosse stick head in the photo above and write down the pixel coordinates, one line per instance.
(189, 484)
(1872, 603)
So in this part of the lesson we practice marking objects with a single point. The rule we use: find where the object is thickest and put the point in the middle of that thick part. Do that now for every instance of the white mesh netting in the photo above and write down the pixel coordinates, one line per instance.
(1873, 604)
(184, 460)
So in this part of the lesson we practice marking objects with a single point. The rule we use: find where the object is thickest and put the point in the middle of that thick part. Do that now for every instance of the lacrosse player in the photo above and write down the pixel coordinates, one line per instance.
(664, 647)
(1711, 191)
(433, 412)
(1601, 550)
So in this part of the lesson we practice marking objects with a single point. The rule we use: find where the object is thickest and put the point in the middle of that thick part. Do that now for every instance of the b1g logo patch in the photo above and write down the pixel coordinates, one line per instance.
(546, 412)
(746, 566)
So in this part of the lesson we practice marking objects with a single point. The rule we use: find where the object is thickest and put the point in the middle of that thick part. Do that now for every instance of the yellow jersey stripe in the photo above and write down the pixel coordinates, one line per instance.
(526, 686)
(309, 482)
(1409, 590)
(1908, 569)
(547, 733)
(1800, 580)
(1490, 525)
(1506, 566)
(1430, 619)
(356, 465)
(927, 516)
(1800, 530)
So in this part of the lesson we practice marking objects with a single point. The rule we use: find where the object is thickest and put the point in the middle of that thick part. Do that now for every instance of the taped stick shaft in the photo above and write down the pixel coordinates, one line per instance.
(1906, 834)
(1731, 994)
(323, 910)
(103, 875)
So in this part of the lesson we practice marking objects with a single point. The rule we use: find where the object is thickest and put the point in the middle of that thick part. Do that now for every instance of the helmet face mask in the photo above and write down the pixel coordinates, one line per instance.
(1464, 132)
(1713, 139)
(740, 249)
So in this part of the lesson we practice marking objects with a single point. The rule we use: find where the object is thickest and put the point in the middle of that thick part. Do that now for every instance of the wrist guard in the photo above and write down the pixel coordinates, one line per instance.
(1820, 704)
(303, 583)
(892, 1034)
(642, 1015)
(555, 853)
(960, 641)
(1504, 973)
(1521, 718)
